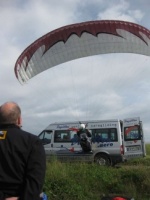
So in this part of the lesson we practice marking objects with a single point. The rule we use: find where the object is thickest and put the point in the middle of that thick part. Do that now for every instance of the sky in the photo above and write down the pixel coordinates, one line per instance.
(99, 87)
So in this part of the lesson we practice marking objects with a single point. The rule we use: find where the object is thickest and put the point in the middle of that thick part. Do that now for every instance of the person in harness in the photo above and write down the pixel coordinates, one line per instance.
(85, 138)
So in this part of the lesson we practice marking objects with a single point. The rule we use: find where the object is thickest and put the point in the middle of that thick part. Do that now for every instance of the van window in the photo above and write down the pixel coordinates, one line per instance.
(45, 136)
(132, 133)
(62, 136)
(104, 135)
(66, 136)
(74, 137)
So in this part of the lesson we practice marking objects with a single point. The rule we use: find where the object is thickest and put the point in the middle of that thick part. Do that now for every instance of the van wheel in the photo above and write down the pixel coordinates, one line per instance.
(102, 160)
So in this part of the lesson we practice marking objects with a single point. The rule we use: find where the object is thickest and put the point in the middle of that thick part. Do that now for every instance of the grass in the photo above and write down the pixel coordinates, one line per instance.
(81, 181)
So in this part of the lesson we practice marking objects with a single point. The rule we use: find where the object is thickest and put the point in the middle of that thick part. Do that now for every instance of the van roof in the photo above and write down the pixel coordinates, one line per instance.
(86, 121)
(83, 121)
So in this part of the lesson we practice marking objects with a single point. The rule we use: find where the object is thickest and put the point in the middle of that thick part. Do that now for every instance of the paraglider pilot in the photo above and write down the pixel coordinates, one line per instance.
(85, 138)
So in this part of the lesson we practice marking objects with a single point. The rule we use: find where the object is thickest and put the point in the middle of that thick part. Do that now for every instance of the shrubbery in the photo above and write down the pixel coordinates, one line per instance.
(90, 182)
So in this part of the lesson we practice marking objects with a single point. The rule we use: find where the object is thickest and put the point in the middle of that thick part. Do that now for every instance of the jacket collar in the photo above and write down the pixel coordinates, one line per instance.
(2, 126)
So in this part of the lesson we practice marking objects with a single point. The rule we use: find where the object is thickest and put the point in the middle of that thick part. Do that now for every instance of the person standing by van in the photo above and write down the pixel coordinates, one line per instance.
(22, 158)
(85, 138)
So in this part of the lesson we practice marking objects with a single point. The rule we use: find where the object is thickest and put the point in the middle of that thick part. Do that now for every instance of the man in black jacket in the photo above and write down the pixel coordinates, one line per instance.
(22, 158)
(85, 138)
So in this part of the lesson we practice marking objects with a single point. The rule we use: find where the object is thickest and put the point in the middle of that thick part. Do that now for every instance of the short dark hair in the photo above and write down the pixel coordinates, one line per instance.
(9, 114)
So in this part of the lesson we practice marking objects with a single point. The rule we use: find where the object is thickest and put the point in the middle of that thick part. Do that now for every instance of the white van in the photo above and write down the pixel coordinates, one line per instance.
(113, 141)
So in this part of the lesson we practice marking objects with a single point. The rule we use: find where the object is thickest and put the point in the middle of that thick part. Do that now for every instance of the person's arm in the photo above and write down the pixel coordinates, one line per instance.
(35, 173)
(88, 133)
(78, 133)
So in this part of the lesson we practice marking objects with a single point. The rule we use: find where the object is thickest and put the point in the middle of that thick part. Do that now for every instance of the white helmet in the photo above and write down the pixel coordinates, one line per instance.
(82, 126)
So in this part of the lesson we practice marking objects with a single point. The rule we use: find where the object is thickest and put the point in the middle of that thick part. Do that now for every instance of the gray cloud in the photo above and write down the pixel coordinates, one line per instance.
(98, 87)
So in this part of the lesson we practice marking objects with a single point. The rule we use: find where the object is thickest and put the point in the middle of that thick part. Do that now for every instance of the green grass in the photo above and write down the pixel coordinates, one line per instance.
(148, 149)
(80, 181)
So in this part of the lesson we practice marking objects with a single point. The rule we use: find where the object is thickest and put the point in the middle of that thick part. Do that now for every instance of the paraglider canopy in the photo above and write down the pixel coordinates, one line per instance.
(81, 40)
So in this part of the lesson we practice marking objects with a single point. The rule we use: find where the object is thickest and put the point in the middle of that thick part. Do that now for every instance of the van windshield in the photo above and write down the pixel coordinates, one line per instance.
(45, 137)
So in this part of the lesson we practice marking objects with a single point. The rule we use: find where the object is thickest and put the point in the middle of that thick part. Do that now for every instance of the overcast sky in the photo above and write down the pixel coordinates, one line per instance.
(98, 87)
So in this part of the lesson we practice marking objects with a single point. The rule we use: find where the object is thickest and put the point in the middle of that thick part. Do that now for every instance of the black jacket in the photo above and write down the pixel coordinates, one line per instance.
(86, 131)
(85, 139)
(22, 163)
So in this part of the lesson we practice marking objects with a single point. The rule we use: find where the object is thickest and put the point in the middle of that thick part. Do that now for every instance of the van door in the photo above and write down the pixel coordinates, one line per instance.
(133, 138)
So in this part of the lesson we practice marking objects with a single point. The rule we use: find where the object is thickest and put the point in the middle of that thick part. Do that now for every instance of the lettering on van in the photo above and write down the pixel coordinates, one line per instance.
(104, 142)
(130, 120)
(102, 125)
(105, 145)
(62, 126)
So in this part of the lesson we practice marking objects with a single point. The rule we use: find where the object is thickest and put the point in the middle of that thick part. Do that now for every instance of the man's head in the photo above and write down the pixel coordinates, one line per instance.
(10, 113)
(82, 126)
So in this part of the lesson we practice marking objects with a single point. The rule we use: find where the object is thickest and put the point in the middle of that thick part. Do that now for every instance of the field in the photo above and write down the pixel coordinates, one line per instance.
(80, 181)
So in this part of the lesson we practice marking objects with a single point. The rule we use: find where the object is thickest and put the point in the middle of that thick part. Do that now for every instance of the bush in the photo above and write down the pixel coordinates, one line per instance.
(80, 181)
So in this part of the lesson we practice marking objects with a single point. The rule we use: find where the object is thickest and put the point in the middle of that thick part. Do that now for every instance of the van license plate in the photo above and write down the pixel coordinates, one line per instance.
(137, 148)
